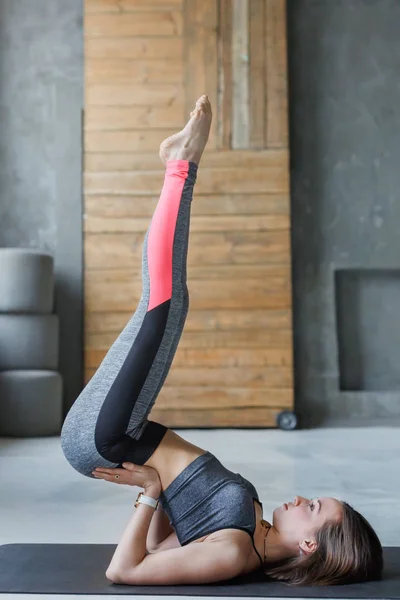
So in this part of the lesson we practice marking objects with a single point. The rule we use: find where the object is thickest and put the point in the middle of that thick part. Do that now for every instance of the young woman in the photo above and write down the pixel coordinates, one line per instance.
(209, 526)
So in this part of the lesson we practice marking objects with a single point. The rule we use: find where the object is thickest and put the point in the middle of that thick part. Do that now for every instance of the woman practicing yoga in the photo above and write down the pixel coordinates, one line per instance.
(197, 521)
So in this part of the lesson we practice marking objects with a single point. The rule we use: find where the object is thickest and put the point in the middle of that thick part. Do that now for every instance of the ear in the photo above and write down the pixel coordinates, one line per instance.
(308, 546)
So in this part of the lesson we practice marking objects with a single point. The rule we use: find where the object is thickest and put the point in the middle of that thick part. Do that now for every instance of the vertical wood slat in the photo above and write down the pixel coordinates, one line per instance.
(240, 73)
(276, 133)
(224, 111)
(257, 96)
(200, 20)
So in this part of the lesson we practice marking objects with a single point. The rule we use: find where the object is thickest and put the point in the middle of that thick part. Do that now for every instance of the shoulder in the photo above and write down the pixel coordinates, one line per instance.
(241, 544)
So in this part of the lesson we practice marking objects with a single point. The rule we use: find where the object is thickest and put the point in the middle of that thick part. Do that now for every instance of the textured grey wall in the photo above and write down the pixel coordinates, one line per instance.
(344, 72)
(344, 69)
(41, 100)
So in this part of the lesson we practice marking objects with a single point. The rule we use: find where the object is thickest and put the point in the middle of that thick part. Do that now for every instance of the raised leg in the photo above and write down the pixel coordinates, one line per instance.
(117, 400)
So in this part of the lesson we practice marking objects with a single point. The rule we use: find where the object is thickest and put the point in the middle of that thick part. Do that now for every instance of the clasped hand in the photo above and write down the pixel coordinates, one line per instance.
(131, 474)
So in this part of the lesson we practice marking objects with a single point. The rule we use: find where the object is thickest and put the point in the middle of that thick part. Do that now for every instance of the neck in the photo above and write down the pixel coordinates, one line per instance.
(270, 545)
(274, 549)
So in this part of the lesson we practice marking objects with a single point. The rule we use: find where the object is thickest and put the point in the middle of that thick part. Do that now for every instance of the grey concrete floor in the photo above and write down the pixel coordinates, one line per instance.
(44, 500)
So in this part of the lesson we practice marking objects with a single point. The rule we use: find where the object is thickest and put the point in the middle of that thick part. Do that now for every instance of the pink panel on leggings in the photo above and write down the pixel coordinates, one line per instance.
(162, 231)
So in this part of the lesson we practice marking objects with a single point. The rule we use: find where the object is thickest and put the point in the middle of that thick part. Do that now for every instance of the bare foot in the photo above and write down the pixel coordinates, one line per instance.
(189, 143)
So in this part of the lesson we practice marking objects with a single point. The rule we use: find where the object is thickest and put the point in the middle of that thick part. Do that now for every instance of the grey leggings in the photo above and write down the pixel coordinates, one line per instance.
(107, 423)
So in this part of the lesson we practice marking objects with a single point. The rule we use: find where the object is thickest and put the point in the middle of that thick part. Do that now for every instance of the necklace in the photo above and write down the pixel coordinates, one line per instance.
(268, 526)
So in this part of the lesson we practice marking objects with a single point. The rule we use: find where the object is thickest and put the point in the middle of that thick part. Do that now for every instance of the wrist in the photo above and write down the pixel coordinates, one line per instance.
(153, 491)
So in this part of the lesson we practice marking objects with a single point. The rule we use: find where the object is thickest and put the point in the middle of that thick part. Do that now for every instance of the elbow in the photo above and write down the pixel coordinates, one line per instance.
(112, 576)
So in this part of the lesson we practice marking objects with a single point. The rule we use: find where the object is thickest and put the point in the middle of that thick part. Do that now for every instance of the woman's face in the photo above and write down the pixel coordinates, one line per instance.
(298, 522)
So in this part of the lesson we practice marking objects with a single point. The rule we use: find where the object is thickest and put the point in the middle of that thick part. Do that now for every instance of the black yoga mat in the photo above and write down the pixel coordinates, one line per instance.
(80, 569)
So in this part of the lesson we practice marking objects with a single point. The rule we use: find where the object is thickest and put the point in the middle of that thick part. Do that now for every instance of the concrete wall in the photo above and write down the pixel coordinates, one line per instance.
(344, 68)
(41, 101)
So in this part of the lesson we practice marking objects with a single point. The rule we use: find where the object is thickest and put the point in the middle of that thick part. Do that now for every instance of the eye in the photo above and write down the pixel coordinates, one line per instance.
(312, 505)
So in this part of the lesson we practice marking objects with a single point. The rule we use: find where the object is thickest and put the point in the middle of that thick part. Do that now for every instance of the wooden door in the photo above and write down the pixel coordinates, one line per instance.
(146, 62)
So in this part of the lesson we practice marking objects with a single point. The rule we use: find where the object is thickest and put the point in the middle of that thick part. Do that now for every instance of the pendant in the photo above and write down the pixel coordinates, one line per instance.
(265, 523)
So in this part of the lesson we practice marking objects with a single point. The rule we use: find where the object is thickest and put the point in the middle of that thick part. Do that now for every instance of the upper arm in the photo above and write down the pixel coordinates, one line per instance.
(170, 542)
(195, 563)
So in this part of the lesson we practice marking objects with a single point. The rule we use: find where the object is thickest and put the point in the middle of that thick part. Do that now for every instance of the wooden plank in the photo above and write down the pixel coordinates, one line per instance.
(96, 224)
(196, 320)
(140, 140)
(246, 338)
(108, 118)
(240, 159)
(204, 294)
(271, 178)
(250, 247)
(240, 73)
(221, 205)
(251, 377)
(223, 357)
(148, 23)
(133, 47)
(224, 397)
(165, 94)
(277, 275)
(200, 21)
(240, 417)
(110, 71)
(123, 6)
(225, 89)
(257, 74)
(276, 76)
(125, 161)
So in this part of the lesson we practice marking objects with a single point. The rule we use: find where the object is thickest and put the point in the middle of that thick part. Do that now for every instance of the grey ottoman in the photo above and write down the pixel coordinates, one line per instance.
(26, 281)
(30, 403)
(29, 342)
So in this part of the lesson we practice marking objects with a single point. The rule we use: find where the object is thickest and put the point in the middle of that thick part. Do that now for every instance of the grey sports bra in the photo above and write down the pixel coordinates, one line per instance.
(207, 497)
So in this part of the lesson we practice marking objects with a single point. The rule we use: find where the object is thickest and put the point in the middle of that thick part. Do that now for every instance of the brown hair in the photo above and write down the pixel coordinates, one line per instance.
(348, 551)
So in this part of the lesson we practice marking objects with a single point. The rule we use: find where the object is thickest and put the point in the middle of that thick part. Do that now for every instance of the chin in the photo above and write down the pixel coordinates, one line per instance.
(276, 513)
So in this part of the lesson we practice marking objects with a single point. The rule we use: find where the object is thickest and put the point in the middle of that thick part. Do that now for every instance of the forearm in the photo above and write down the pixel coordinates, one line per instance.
(159, 529)
(131, 549)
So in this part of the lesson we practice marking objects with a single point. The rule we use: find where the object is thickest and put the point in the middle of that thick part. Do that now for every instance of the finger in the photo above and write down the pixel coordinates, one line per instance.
(109, 477)
(109, 471)
(105, 477)
(100, 475)
(128, 466)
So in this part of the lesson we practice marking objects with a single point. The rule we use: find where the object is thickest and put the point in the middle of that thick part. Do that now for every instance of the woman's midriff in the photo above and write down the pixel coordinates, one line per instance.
(172, 456)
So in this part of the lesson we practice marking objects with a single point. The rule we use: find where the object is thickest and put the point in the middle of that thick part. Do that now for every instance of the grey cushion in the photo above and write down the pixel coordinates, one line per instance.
(29, 342)
(30, 403)
(26, 281)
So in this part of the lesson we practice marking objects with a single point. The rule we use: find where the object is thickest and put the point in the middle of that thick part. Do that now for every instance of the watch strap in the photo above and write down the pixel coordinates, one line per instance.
(143, 499)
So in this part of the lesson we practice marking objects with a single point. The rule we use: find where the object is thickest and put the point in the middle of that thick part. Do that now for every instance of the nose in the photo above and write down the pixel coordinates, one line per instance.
(298, 500)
